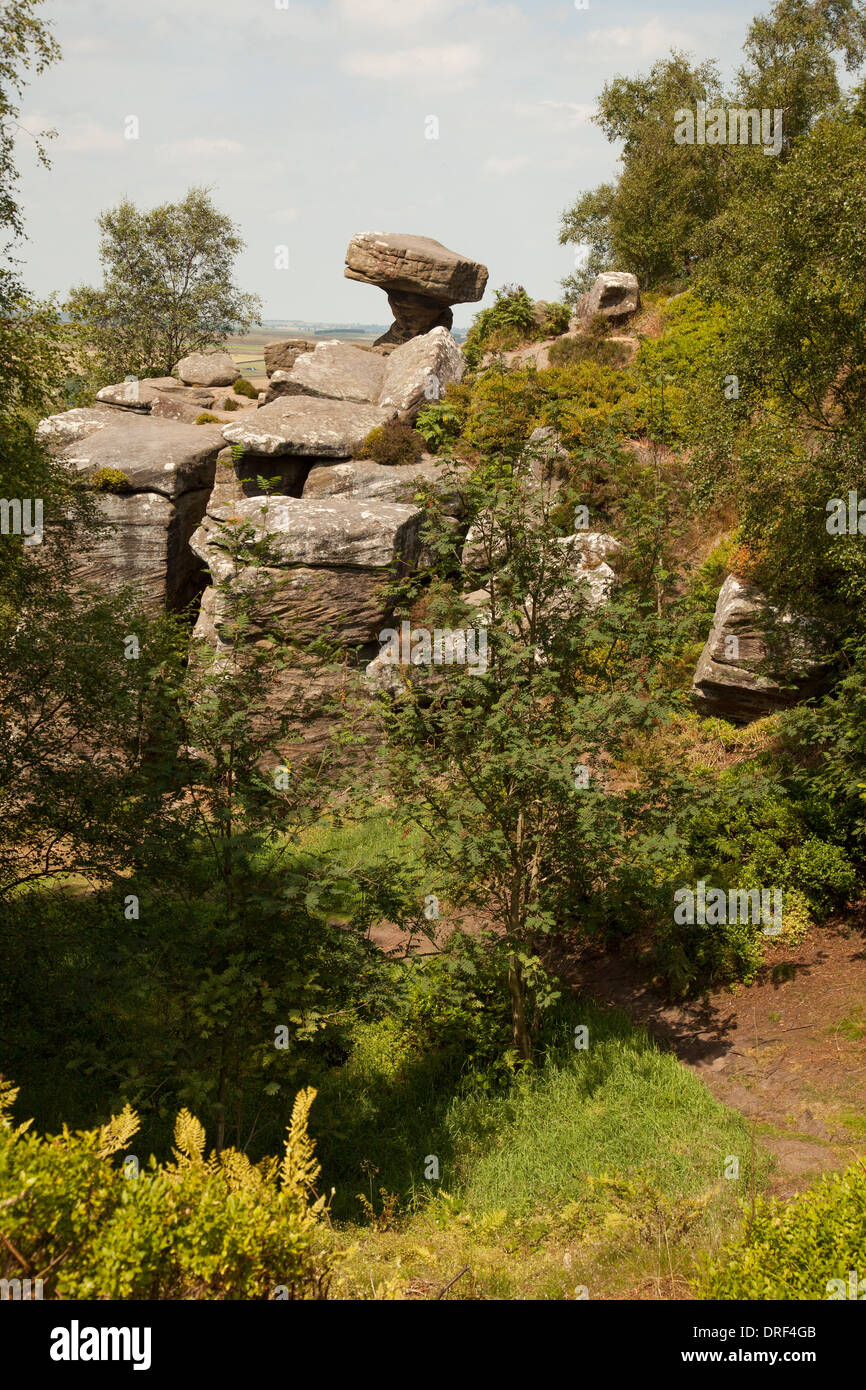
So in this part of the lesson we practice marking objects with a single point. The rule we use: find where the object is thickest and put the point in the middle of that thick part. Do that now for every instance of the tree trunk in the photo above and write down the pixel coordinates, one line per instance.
(517, 990)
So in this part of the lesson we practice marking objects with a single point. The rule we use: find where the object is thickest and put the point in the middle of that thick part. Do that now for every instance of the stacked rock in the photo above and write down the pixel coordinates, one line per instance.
(421, 277)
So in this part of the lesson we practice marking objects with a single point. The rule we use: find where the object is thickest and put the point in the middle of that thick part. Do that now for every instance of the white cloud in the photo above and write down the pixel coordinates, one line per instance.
(501, 168)
(392, 14)
(649, 40)
(555, 116)
(451, 60)
(283, 214)
(198, 147)
(76, 131)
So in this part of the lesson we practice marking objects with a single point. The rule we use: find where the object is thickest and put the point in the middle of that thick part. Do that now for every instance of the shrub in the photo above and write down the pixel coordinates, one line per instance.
(230, 404)
(242, 387)
(204, 1226)
(110, 480)
(568, 352)
(206, 418)
(510, 320)
(796, 1250)
(439, 425)
(393, 443)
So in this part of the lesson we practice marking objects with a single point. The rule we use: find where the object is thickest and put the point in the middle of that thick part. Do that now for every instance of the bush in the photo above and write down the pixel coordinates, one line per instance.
(230, 404)
(513, 319)
(568, 352)
(439, 425)
(242, 387)
(110, 480)
(213, 1227)
(393, 444)
(206, 418)
(796, 1250)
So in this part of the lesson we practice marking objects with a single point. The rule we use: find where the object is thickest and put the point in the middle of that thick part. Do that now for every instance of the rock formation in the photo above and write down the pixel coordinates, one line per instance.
(756, 660)
(421, 277)
(615, 295)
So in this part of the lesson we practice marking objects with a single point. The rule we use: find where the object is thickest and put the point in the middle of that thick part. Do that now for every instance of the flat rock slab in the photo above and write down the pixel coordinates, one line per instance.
(417, 264)
(154, 455)
(207, 369)
(337, 371)
(336, 534)
(362, 478)
(57, 432)
(307, 425)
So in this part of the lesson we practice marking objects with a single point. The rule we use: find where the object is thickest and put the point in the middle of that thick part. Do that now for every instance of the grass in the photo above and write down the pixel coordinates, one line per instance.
(601, 1169)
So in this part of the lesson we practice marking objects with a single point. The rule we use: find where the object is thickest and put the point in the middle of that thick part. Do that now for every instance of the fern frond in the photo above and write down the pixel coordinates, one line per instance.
(300, 1167)
(189, 1138)
(116, 1134)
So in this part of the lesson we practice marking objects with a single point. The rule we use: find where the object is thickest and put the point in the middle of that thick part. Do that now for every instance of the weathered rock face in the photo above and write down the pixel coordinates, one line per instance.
(207, 369)
(168, 470)
(362, 478)
(307, 425)
(283, 355)
(327, 572)
(56, 432)
(161, 456)
(421, 277)
(299, 531)
(145, 395)
(756, 660)
(147, 547)
(615, 294)
(334, 370)
(417, 373)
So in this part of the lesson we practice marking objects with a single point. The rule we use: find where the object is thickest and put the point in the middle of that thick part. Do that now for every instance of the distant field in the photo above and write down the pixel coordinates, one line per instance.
(246, 349)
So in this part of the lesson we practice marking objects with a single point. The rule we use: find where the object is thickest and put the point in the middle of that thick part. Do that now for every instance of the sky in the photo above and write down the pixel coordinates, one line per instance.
(310, 121)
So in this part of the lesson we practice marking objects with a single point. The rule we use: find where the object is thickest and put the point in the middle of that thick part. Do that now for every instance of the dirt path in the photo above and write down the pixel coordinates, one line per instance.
(789, 1050)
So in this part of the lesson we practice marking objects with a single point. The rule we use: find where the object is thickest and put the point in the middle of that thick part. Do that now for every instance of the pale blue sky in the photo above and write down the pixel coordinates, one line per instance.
(309, 122)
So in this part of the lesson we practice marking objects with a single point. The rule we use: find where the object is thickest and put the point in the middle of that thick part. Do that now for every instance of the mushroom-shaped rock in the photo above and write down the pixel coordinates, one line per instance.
(421, 277)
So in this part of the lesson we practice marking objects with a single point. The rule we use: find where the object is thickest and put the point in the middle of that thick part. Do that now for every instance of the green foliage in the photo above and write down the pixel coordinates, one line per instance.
(204, 1226)
(167, 287)
(207, 418)
(230, 404)
(109, 480)
(512, 319)
(794, 1250)
(393, 443)
(439, 425)
(242, 387)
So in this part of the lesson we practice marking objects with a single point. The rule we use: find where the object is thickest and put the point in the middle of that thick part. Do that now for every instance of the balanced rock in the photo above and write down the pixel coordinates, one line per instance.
(615, 295)
(207, 369)
(307, 425)
(421, 277)
(756, 660)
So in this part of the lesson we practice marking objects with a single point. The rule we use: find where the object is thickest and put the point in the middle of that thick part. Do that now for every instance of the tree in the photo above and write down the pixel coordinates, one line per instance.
(646, 221)
(167, 287)
(506, 765)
